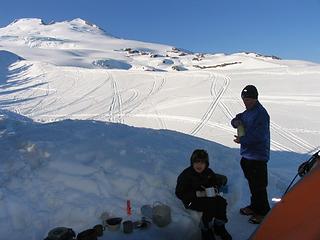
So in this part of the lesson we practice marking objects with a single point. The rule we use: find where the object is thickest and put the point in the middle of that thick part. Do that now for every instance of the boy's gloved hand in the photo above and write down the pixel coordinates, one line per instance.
(201, 193)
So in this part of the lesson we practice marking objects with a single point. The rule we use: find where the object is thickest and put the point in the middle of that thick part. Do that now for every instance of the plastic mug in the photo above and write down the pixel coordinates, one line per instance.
(127, 226)
(210, 192)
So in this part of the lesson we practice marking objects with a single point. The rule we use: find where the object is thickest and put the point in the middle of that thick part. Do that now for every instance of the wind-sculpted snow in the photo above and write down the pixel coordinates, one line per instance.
(6, 59)
(46, 42)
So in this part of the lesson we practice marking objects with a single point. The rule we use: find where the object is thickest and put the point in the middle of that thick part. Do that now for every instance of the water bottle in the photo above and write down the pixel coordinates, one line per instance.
(240, 131)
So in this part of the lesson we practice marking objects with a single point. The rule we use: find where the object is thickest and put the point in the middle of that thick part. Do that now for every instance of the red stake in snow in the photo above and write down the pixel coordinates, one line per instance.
(128, 207)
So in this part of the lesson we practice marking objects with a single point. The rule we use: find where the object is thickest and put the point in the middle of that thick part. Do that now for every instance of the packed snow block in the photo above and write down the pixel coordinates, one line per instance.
(189, 223)
(196, 219)
(195, 215)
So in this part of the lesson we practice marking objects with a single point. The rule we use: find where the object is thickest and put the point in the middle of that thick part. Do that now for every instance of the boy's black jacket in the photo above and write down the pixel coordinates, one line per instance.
(189, 181)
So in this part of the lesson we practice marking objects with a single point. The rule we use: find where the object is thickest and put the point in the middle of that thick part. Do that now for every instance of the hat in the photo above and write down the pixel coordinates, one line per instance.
(200, 155)
(249, 91)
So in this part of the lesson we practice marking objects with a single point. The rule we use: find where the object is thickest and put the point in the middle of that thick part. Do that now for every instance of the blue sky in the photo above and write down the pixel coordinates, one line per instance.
(289, 29)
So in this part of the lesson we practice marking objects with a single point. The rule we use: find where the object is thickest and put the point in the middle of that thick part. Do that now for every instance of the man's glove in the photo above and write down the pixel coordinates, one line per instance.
(236, 122)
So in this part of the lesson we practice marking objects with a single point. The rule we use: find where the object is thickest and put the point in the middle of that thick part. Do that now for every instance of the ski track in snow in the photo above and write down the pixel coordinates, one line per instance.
(116, 101)
(119, 109)
(292, 138)
(208, 114)
(87, 94)
(47, 102)
(54, 106)
(222, 105)
(42, 103)
(155, 88)
(288, 136)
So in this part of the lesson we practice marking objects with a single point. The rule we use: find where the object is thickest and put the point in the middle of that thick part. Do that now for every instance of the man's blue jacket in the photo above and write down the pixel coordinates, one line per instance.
(255, 144)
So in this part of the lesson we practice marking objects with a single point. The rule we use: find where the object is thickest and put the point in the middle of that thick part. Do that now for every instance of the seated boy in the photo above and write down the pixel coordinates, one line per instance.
(191, 190)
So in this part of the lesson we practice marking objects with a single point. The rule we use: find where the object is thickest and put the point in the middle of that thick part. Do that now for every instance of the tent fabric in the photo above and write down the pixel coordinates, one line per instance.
(297, 215)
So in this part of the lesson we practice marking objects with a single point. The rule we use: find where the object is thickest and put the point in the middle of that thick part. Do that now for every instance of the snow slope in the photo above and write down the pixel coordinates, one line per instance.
(89, 120)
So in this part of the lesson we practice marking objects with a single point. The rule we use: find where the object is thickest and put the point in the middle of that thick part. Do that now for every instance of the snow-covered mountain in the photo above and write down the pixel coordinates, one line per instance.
(82, 44)
(89, 120)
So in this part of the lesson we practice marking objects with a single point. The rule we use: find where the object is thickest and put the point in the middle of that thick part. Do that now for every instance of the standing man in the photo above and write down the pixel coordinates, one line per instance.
(254, 138)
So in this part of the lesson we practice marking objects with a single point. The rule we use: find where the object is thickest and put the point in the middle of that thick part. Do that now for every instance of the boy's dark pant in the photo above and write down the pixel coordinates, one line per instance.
(211, 207)
(256, 173)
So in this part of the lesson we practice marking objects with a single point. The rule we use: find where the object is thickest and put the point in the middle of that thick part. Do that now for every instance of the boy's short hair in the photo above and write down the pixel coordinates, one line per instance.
(199, 155)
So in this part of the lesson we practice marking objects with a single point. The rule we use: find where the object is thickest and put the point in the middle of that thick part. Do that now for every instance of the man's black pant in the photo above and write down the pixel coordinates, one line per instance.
(256, 173)
(211, 207)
